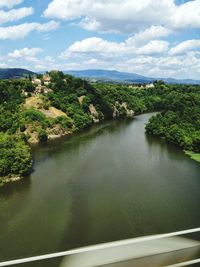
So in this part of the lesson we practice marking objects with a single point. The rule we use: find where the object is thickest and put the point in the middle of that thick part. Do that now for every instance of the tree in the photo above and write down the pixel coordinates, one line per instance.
(15, 156)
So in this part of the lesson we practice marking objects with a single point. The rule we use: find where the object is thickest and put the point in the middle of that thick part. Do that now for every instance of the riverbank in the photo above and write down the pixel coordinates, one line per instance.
(10, 179)
(193, 155)
(73, 105)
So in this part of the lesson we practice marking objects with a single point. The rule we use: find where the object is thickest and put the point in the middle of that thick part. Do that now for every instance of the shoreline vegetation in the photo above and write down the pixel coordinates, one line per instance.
(192, 155)
(10, 179)
(44, 107)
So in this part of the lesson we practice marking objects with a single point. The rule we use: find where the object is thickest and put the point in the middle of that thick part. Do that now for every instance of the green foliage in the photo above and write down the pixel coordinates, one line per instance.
(15, 156)
(192, 155)
(27, 86)
(10, 94)
(82, 120)
(86, 102)
(42, 135)
(65, 122)
(179, 121)
(33, 115)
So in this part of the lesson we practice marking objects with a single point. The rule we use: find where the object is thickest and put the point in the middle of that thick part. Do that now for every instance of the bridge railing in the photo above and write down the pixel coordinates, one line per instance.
(169, 249)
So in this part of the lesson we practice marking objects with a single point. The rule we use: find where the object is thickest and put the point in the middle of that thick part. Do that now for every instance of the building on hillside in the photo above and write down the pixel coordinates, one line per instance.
(46, 79)
(37, 82)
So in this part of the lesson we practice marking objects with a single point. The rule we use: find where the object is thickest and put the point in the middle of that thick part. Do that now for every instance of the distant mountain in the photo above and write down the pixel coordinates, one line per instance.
(112, 76)
(181, 81)
(123, 77)
(14, 73)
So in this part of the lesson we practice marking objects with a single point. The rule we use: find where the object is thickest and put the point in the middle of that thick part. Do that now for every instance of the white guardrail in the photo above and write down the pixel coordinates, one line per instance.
(119, 251)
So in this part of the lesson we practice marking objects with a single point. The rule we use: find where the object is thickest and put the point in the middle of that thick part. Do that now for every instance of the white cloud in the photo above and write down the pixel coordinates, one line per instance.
(47, 27)
(126, 16)
(25, 52)
(49, 59)
(47, 67)
(147, 23)
(151, 59)
(154, 47)
(96, 45)
(187, 15)
(151, 33)
(22, 30)
(10, 3)
(185, 47)
(3, 65)
(184, 66)
(103, 48)
(32, 57)
(15, 14)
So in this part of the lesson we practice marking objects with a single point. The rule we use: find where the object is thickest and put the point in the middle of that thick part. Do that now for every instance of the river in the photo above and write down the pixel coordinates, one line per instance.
(108, 183)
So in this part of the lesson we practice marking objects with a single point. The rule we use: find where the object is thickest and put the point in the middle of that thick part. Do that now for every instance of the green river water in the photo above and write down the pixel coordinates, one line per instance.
(108, 183)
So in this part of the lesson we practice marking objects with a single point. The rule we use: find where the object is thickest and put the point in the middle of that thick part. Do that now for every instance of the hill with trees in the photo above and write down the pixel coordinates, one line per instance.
(56, 104)
(179, 121)
(14, 73)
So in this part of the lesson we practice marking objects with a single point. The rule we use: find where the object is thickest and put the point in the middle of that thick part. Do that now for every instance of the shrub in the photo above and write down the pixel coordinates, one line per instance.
(15, 156)
(42, 135)
(65, 122)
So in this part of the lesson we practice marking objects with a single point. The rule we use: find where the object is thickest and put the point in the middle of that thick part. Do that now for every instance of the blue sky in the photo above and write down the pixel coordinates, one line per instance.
(157, 38)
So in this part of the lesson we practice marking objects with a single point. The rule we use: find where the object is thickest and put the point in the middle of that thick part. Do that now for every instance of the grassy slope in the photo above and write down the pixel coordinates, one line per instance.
(194, 156)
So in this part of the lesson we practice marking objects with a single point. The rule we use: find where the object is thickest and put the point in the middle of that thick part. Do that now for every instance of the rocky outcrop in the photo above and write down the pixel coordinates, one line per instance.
(122, 110)
(52, 133)
(80, 99)
(53, 112)
(10, 179)
(94, 113)
(56, 132)
(38, 103)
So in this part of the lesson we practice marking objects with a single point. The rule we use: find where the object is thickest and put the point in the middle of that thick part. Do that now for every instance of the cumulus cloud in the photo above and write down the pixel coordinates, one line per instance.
(126, 16)
(10, 3)
(96, 45)
(22, 30)
(185, 47)
(104, 48)
(15, 14)
(153, 58)
(108, 15)
(25, 52)
(179, 66)
(153, 32)
(187, 15)
(146, 50)
(154, 47)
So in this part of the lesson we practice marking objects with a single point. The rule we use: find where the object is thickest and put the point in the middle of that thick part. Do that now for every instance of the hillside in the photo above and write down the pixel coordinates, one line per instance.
(14, 73)
(110, 75)
(54, 105)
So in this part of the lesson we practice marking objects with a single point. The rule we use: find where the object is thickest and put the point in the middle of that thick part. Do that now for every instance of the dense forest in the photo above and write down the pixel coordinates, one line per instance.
(179, 119)
(78, 104)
